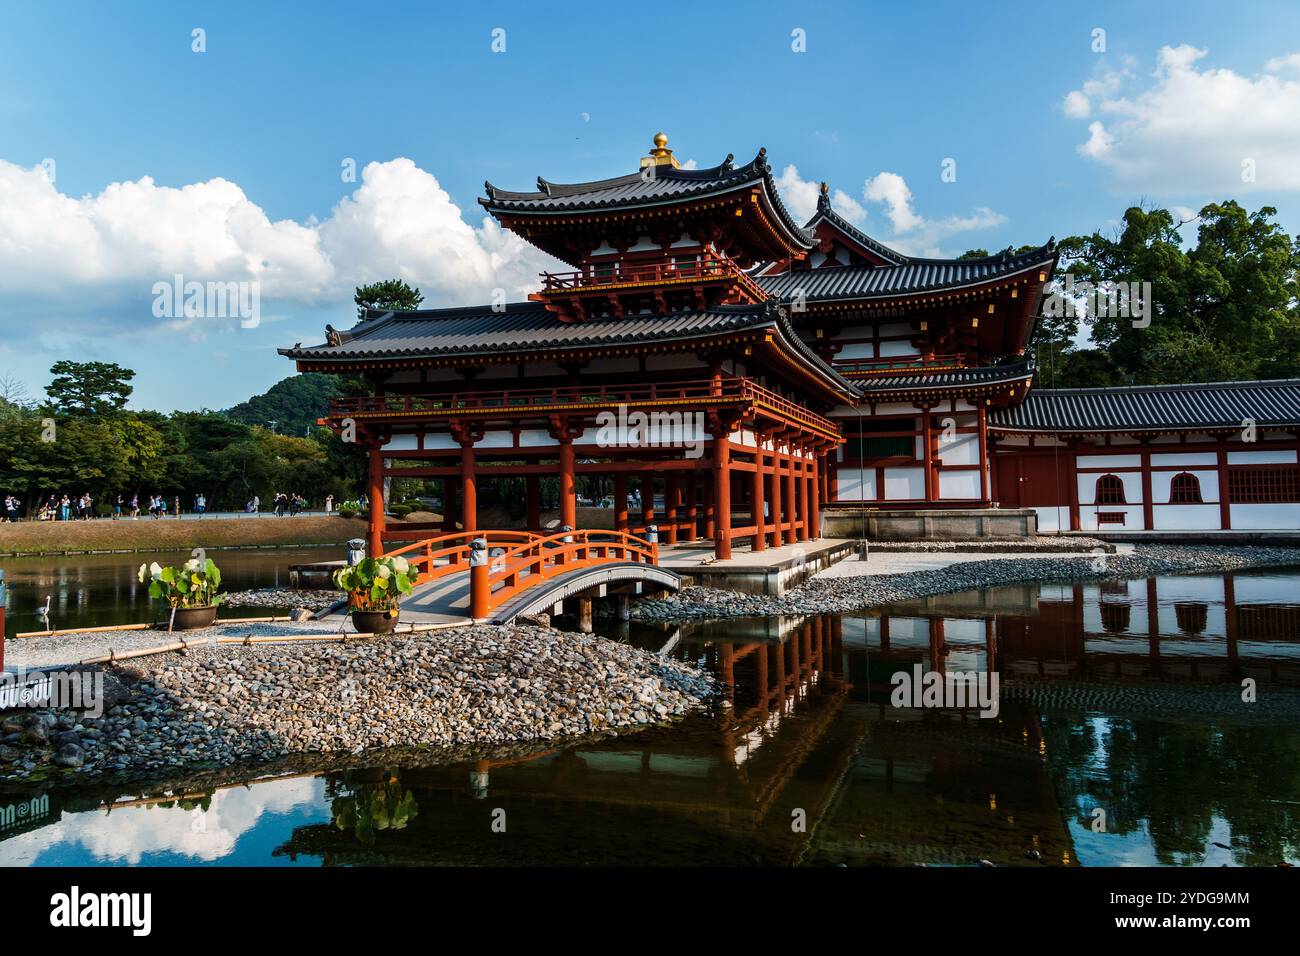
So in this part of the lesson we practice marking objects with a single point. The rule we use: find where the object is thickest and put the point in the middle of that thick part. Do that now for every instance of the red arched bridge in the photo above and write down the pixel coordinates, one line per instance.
(499, 575)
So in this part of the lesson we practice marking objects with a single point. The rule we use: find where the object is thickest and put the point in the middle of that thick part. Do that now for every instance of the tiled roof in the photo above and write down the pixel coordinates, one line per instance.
(827, 213)
(903, 380)
(916, 275)
(1154, 407)
(668, 185)
(521, 326)
(525, 327)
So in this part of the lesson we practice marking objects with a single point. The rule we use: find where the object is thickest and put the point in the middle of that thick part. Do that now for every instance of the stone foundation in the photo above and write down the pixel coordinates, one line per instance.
(931, 524)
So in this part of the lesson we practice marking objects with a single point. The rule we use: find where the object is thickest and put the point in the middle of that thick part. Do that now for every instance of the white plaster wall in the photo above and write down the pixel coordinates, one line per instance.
(1185, 517)
(959, 484)
(897, 347)
(904, 483)
(1261, 458)
(962, 449)
(401, 443)
(1275, 517)
(852, 486)
(1110, 461)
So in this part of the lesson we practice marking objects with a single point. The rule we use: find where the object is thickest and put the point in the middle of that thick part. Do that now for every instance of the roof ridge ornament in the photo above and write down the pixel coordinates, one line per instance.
(824, 198)
(660, 154)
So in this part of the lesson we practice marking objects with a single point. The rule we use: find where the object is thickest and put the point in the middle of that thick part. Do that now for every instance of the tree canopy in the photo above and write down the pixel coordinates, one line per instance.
(89, 388)
(388, 294)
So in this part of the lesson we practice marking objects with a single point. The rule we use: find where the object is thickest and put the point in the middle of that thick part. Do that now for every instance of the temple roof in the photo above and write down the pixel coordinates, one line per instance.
(949, 378)
(826, 213)
(1217, 405)
(669, 185)
(528, 328)
(913, 275)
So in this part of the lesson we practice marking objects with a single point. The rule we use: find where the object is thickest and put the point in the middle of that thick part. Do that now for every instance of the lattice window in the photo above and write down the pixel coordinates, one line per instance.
(1185, 489)
(1110, 517)
(1264, 484)
(1110, 491)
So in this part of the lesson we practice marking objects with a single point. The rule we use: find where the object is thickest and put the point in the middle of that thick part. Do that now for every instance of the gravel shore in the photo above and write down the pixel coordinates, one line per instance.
(475, 685)
(844, 592)
(313, 599)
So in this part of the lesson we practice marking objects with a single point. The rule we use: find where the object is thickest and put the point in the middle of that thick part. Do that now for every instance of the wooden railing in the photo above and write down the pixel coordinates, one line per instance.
(523, 559)
(703, 267)
(700, 392)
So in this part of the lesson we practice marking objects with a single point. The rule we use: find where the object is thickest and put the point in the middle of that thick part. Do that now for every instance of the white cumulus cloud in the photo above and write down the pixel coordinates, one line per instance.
(1191, 127)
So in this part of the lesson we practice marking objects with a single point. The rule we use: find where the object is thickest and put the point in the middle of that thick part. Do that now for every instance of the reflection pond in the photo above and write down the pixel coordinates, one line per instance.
(1121, 739)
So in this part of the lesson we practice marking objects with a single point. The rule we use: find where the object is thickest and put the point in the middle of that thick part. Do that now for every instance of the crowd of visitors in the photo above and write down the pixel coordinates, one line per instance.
(82, 507)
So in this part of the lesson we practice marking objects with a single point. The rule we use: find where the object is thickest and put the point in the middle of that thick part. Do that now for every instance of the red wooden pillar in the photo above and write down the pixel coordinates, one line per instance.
(620, 501)
(449, 494)
(375, 492)
(670, 507)
(469, 487)
(721, 493)
(984, 456)
(927, 452)
(709, 510)
(756, 497)
(805, 497)
(533, 484)
(692, 495)
(773, 478)
(1072, 472)
(647, 498)
(814, 503)
(1225, 503)
(1148, 509)
(791, 514)
(568, 487)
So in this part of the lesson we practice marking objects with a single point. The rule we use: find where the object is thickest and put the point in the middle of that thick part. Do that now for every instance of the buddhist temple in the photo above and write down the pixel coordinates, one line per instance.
(739, 376)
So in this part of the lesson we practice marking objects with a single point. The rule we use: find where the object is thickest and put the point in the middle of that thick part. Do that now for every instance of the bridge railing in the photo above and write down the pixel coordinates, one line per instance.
(525, 559)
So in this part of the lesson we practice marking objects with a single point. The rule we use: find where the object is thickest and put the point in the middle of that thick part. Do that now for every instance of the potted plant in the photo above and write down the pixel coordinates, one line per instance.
(190, 590)
(375, 586)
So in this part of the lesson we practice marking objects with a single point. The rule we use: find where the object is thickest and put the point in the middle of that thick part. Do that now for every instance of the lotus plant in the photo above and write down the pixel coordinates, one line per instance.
(193, 584)
(377, 584)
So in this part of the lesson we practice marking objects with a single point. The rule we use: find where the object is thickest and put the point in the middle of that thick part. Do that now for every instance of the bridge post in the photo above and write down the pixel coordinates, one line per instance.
(479, 593)
(585, 625)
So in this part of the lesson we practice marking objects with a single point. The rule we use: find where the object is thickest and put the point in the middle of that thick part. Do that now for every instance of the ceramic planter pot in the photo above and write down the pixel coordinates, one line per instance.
(189, 618)
(374, 622)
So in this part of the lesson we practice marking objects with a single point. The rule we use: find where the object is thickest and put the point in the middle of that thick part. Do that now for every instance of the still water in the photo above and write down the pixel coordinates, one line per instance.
(1121, 740)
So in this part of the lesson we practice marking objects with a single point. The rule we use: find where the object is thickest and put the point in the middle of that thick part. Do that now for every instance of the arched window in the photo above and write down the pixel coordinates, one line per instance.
(1110, 490)
(1185, 489)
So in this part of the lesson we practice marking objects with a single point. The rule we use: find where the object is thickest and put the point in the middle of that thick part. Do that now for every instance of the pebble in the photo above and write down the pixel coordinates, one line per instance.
(820, 595)
(216, 705)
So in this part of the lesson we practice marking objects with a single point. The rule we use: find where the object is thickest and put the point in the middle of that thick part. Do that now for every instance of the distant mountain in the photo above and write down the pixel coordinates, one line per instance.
(292, 404)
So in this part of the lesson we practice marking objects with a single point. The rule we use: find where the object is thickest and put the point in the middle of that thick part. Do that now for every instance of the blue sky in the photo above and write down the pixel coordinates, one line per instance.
(229, 162)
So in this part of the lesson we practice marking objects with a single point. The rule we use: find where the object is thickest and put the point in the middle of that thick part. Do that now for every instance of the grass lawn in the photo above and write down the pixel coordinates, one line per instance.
(35, 537)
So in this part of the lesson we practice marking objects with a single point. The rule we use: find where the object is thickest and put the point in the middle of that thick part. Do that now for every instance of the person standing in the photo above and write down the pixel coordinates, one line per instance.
(329, 504)
(65, 508)
(135, 507)
(176, 506)
(117, 508)
(201, 504)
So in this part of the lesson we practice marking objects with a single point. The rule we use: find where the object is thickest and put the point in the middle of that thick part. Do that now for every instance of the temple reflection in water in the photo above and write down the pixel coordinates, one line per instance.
(808, 762)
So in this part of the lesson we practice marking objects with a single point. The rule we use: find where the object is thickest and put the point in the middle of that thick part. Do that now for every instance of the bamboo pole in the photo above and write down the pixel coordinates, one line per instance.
(142, 627)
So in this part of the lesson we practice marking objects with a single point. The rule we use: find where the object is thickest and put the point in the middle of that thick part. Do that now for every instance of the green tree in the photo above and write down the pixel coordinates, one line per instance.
(89, 388)
(388, 294)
